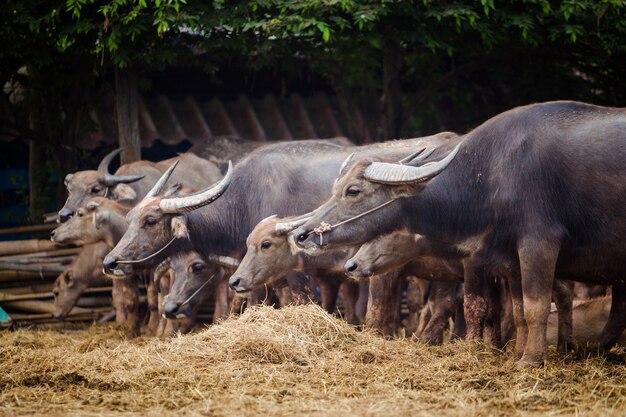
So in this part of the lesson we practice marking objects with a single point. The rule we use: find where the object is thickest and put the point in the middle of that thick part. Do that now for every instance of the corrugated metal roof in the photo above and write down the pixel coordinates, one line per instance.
(172, 120)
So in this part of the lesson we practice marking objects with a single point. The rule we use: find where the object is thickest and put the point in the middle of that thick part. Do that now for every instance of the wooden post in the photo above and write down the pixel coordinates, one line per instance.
(126, 107)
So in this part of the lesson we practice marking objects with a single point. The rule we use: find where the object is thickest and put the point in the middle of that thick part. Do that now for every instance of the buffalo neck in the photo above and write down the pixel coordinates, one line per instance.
(451, 207)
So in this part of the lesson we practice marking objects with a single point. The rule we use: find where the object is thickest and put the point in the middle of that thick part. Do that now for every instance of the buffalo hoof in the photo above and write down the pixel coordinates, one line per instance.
(529, 363)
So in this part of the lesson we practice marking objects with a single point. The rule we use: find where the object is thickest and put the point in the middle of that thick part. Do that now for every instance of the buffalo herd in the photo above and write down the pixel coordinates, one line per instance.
(488, 229)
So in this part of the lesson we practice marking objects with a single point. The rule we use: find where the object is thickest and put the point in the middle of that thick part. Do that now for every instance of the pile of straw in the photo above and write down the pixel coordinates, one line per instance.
(297, 360)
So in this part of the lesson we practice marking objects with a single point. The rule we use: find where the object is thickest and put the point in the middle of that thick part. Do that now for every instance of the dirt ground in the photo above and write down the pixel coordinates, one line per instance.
(293, 361)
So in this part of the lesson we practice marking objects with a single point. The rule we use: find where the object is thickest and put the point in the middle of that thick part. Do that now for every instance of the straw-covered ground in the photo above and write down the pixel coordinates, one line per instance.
(297, 360)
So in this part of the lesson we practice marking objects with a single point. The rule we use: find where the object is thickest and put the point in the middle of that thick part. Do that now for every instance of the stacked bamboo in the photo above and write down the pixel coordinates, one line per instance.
(28, 269)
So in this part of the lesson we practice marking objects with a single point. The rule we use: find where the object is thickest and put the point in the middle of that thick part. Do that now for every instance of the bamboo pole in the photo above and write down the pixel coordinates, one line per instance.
(45, 254)
(17, 276)
(4, 296)
(33, 306)
(15, 247)
(52, 267)
(27, 229)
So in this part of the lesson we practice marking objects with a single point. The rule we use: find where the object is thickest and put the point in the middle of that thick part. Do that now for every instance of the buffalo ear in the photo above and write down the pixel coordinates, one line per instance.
(99, 219)
(179, 227)
(123, 192)
(407, 190)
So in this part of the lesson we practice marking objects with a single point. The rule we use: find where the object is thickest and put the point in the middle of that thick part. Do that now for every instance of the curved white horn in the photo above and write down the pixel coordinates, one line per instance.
(387, 173)
(225, 261)
(160, 184)
(199, 199)
(286, 227)
(273, 216)
(345, 163)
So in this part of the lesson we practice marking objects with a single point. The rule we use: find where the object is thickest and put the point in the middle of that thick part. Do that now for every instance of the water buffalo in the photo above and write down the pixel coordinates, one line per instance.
(85, 271)
(534, 192)
(262, 184)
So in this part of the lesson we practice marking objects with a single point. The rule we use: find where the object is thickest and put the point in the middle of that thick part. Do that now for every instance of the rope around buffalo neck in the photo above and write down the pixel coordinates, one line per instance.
(325, 227)
(198, 290)
(137, 261)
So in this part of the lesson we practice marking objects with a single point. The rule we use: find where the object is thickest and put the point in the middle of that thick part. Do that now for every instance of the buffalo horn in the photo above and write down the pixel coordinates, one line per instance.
(273, 216)
(111, 180)
(422, 156)
(160, 184)
(386, 173)
(103, 168)
(199, 199)
(283, 228)
(345, 163)
(224, 261)
(411, 157)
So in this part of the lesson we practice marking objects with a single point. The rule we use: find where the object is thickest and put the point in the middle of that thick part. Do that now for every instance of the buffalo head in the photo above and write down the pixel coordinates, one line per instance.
(83, 185)
(99, 220)
(269, 255)
(368, 201)
(156, 223)
(194, 278)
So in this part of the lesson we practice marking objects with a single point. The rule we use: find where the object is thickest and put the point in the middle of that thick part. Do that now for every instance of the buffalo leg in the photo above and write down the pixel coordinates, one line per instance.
(329, 289)
(383, 307)
(460, 328)
(475, 304)
(442, 305)
(507, 327)
(415, 302)
(537, 266)
(131, 304)
(491, 331)
(117, 294)
(562, 292)
(425, 315)
(517, 308)
(617, 319)
(349, 291)
(152, 296)
(361, 304)
(221, 300)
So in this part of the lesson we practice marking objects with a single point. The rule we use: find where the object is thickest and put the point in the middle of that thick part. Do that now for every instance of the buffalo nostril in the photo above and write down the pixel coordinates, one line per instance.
(233, 282)
(64, 215)
(109, 263)
(170, 309)
(351, 266)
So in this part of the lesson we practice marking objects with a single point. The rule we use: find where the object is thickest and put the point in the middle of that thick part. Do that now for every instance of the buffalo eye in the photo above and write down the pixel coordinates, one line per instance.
(197, 267)
(80, 213)
(150, 221)
(266, 244)
(96, 190)
(352, 192)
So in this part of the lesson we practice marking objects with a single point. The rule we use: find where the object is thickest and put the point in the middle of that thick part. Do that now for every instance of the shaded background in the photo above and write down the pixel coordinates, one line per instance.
(81, 76)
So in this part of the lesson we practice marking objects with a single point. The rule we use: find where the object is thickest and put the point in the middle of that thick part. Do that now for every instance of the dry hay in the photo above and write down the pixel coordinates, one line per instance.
(298, 360)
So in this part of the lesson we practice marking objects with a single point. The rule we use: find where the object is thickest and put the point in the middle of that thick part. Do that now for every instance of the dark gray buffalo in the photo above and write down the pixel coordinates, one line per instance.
(534, 192)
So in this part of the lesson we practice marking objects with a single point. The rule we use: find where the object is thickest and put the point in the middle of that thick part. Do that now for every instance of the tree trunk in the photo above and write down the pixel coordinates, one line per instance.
(390, 100)
(126, 106)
